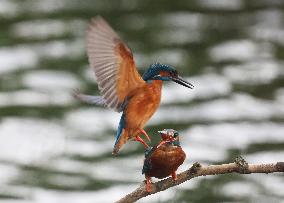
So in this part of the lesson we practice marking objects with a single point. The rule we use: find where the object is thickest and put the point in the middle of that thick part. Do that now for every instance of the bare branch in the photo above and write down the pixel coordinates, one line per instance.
(239, 166)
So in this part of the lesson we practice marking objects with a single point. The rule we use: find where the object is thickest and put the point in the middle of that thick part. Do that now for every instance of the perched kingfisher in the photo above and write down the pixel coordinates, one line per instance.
(163, 159)
(121, 86)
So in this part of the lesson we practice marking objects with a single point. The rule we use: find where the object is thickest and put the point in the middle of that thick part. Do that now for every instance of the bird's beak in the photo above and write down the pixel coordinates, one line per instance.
(182, 82)
(161, 143)
(162, 132)
(170, 140)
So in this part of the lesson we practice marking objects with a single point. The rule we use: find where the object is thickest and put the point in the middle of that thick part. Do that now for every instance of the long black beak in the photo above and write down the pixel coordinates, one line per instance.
(182, 82)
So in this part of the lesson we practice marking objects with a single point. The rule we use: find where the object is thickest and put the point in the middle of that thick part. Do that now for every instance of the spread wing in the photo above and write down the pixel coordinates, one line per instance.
(113, 64)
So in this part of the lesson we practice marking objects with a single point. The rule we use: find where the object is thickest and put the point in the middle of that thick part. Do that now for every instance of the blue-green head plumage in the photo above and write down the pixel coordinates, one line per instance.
(153, 72)
(158, 71)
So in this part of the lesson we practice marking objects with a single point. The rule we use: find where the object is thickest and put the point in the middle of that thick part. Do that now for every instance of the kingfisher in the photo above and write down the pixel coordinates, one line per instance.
(163, 159)
(121, 86)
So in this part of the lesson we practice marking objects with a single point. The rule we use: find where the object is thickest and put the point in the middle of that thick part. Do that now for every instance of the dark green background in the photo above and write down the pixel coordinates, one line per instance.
(232, 51)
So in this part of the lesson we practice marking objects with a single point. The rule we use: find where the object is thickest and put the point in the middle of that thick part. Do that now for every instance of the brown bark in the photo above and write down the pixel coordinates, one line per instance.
(239, 166)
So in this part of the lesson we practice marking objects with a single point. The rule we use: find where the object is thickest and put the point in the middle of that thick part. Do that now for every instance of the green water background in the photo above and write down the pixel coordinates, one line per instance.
(232, 51)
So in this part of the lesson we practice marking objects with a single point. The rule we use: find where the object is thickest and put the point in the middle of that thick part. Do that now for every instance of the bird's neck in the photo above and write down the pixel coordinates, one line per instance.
(157, 84)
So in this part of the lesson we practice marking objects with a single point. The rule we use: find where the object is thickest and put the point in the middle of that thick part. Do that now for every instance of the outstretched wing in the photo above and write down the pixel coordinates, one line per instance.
(113, 64)
(89, 99)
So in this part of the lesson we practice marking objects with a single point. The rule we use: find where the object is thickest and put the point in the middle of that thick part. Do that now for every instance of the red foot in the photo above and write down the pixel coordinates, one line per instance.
(145, 134)
(174, 176)
(139, 139)
(148, 184)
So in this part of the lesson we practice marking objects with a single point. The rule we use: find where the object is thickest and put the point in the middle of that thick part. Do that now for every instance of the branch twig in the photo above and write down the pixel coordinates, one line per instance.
(239, 166)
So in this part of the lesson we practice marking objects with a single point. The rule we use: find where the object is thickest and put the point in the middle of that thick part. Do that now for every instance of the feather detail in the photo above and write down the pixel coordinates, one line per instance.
(112, 62)
(147, 162)
(121, 135)
(89, 99)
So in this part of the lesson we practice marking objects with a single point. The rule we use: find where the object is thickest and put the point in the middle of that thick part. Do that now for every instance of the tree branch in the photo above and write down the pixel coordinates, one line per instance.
(239, 166)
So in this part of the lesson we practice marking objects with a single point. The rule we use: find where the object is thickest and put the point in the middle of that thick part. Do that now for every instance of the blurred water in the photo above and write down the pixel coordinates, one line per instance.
(54, 149)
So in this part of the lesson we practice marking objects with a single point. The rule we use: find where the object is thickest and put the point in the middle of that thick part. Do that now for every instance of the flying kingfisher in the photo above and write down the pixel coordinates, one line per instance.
(121, 86)
(163, 159)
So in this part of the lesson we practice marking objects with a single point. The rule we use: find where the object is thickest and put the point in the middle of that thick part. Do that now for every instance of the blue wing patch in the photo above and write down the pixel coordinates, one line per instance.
(147, 166)
(120, 128)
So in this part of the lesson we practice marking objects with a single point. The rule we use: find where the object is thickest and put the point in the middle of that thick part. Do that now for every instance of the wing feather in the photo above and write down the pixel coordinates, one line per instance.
(89, 99)
(113, 64)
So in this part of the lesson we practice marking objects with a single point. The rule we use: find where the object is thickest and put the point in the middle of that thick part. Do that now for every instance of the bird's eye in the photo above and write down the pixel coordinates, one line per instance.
(157, 76)
(174, 73)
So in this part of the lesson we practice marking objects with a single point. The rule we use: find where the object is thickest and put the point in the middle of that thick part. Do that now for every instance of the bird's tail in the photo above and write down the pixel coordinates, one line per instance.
(120, 141)
(89, 99)
(121, 135)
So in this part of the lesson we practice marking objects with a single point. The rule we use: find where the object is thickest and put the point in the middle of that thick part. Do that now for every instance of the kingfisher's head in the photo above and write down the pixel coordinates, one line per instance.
(169, 136)
(164, 72)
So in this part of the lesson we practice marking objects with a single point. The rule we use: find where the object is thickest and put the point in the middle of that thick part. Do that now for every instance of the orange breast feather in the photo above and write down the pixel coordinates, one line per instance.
(142, 104)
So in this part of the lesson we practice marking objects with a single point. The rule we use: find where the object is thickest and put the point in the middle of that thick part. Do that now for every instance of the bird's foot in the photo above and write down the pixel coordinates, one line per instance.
(148, 184)
(145, 134)
(139, 139)
(174, 176)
